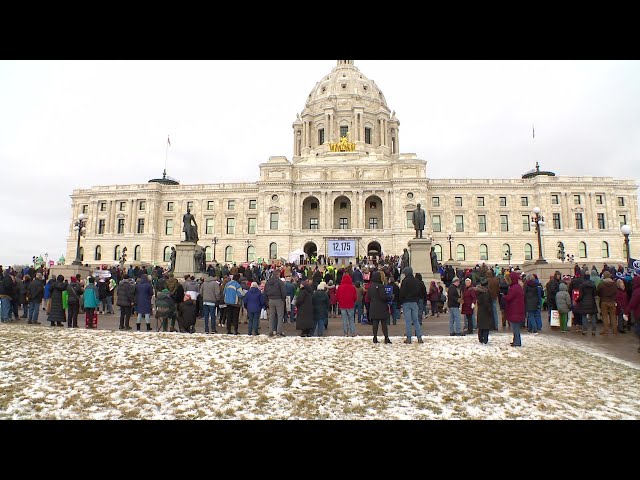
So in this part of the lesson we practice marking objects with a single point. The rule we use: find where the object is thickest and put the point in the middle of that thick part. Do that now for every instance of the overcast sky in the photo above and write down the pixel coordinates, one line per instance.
(77, 124)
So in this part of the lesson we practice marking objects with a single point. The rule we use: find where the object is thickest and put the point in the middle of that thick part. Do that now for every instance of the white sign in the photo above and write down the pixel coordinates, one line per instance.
(342, 248)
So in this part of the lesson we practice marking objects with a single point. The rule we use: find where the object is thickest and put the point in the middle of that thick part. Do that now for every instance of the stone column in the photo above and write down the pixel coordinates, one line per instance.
(108, 222)
(132, 215)
(566, 223)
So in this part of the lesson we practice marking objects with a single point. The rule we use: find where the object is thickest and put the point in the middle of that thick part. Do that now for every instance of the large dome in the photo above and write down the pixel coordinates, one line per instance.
(345, 81)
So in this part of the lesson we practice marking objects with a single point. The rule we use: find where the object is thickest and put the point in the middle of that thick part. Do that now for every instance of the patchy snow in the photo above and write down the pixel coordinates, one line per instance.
(77, 374)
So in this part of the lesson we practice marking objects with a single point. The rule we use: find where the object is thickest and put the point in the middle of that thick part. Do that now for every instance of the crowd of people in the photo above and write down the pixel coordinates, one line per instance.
(374, 291)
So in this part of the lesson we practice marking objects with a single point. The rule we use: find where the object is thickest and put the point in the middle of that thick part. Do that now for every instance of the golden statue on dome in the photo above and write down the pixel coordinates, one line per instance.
(344, 145)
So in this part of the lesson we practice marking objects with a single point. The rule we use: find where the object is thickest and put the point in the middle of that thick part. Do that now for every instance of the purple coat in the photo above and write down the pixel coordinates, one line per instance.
(514, 301)
(144, 292)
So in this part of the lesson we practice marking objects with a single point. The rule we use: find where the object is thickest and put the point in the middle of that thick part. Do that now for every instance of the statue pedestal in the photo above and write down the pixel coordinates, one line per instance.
(420, 260)
(68, 270)
(545, 270)
(185, 259)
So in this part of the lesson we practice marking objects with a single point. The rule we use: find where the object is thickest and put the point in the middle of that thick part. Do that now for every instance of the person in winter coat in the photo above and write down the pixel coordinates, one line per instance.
(434, 298)
(233, 294)
(485, 310)
(379, 307)
(188, 312)
(275, 294)
(553, 287)
(622, 300)
(304, 303)
(165, 308)
(320, 302)
(254, 303)
(632, 309)
(36, 293)
(333, 300)
(587, 306)
(532, 303)
(409, 296)
(606, 291)
(346, 295)
(453, 304)
(75, 292)
(143, 294)
(209, 292)
(126, 300)
(24, 292)
(91, 300)
(514, 307)
(562, 303)
(468, 304)
(56, 316)
(7, 290)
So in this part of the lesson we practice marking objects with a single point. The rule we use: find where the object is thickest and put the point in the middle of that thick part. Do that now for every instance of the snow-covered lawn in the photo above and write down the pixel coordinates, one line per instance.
(51, 373)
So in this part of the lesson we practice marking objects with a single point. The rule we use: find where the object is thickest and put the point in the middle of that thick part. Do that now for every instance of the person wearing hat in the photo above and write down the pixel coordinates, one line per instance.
(485, 311)
(254, 303)
(453, 303)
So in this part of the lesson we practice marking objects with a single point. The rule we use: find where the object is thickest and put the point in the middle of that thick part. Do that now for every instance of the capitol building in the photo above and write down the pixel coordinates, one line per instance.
(347, 180)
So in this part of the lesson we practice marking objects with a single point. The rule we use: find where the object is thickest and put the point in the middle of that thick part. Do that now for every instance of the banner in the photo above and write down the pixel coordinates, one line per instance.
(555, 318)
(341, 248)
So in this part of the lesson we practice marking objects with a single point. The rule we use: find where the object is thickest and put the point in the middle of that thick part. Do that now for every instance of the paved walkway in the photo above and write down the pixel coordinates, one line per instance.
(623, 346)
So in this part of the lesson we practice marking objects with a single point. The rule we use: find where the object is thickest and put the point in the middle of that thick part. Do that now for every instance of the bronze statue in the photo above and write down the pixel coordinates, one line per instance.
(434, 260)
(404, 262)
(191, 231)
(172, 258)
(419, 219)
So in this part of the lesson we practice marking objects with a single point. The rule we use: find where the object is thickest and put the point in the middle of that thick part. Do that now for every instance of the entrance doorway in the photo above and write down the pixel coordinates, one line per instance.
(374, 249)
(310, 249)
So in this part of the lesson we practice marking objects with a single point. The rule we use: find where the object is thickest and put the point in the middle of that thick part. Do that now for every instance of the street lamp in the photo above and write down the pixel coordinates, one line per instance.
(450, 239)
(626, 231)
(538, 222)
(507, 256)
(561, 251)
(215, 242)
(81, 229)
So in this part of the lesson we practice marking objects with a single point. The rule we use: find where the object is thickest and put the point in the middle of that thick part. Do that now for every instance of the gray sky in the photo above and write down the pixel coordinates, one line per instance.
(77, 124)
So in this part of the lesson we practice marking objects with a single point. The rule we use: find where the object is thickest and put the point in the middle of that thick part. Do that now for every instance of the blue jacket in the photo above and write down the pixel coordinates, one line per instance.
(90, 296)
(231, 292)
(143, 294)
(253, 300)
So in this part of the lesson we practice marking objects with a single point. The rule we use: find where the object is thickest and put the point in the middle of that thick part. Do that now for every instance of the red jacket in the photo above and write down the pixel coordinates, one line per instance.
(514, 301)
(468, 297)
(634, 302)
(622, 300)
(346, 292)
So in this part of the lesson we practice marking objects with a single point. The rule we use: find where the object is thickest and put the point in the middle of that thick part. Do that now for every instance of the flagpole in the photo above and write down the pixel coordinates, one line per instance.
(166, 153)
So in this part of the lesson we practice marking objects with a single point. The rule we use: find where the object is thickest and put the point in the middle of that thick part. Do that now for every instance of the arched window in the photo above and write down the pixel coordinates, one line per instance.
(167, 254)
(228, 254)
(137, 252)
(484, 252)
(116, 253)
(460, 252)
(582, 250)
(528, 251)
(605, 250)
(273, 250)
(81, 253)
(251, 253)
(506, 252)
(438, 250)
(98, 254)
(208, 255)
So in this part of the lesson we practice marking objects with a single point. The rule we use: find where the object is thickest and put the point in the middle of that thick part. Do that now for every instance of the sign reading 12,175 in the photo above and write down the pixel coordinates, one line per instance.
(342, 248)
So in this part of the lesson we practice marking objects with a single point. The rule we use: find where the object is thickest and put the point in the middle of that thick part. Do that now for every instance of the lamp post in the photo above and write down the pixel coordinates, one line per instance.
(561, 251)
(215, 242)
(79, 226)
(507, 256)
(248, 242)
(538, 222)
(450, 240)
(626, 231)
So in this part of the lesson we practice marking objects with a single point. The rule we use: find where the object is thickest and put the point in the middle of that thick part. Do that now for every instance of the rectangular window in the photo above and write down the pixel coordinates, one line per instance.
(85, 209)
(579, 225)
(274, 221)
(458, 201)
(121, 225)
(555, 199)
(103, 206)
(253, 204)
(231, 205)
(409, 219)
(231, 226)
(459, 223)
(344, 224)
(190, 205)
(436, 225)
(621, 201)
(142, 205)
(343, 205)
(169, 206)
(101, 226)
(576, 200)
(373, 223)
(367, 135)
(168, 227)
(251, 229)
(601, 225)
(314, 205)
(210, 204)
(503, 201)
(208, 229)
(344, 131)
(599, 200)
(123, 206)
(504, 223)
(526, 223)
(141, 225)
(556, 222)
(480, 202)
(321, 136)
(622, 219)
(313, 224)
(435, 201)
(524, 201)
(482, 223)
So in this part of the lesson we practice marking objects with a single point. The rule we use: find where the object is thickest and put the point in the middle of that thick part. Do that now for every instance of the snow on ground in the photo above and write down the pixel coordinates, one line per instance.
(50, 373)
